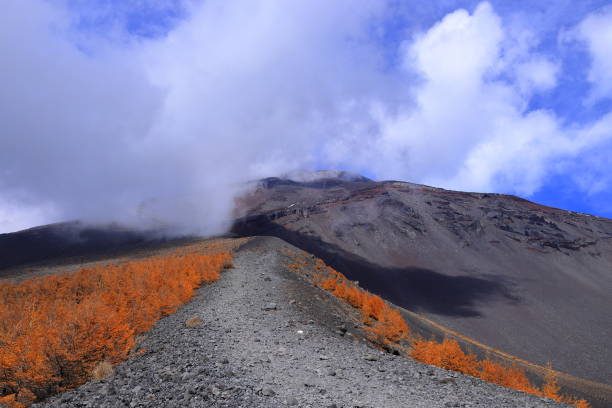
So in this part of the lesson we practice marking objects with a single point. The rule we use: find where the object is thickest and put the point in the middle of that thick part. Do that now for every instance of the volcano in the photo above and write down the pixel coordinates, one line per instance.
(508, 278)
(529, 280)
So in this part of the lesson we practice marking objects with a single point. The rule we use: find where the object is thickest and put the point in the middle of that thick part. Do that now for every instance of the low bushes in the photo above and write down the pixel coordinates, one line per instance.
(449, 355)
(385, 323)
(55, 329)
(387, 326)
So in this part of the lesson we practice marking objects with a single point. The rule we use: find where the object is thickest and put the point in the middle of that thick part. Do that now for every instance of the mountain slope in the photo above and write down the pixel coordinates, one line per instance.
(529, 280)
(39, 250)
(291, 354)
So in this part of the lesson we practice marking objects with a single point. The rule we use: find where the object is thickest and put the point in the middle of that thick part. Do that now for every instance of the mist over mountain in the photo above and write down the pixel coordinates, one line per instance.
(173, 103)
(429, 179)
(497, 272)
(513, 274)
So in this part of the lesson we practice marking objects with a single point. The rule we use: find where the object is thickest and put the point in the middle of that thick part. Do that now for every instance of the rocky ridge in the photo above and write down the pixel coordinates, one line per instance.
(512, 274)
(271, 339)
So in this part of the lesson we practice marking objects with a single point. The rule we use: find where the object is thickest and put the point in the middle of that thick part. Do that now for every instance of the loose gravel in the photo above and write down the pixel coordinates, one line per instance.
(266, 341)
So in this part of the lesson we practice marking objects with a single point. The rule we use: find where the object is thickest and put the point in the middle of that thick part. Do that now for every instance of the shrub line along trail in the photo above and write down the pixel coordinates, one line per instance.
(269, 339)
(55, 329)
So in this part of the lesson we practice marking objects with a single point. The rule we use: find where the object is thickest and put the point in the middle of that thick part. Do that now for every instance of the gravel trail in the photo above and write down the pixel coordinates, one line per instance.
(266, 343)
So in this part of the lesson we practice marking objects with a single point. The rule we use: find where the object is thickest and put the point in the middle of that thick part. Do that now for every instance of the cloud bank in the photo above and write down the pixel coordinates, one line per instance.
(473, 127)
(103, 123)
(596, 31)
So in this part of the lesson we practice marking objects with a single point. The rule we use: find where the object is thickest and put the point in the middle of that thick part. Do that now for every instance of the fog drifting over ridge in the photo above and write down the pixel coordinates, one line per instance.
(166, 130)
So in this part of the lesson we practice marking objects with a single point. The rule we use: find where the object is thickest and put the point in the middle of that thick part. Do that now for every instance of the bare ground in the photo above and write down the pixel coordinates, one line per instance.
(304, 350)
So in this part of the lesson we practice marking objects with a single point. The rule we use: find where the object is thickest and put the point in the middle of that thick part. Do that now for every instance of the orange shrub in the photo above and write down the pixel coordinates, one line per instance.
(385, 323)
(54, 329)
(450, 356)
(329, 284)
(294, 266)
(374, 307)
(550, 389)
(447, 355)
(578, 403)
(511, 377)
(389, 325)
(352, 294)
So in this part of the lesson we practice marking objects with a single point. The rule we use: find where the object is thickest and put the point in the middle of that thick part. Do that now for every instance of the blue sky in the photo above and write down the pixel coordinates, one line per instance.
(111, 110)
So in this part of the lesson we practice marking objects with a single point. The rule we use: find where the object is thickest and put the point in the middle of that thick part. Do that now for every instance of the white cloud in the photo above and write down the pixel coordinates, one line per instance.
(167, 129)
(596, 31)
(537, 74)
(460, 49)
(472, 128)
(16, 215)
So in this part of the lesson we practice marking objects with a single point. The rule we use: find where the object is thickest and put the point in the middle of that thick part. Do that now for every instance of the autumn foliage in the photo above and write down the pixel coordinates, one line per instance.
(385, 323)
(387, 326)
(449, 355)
(55, 329)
